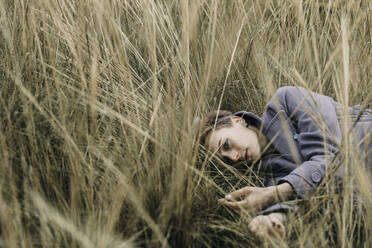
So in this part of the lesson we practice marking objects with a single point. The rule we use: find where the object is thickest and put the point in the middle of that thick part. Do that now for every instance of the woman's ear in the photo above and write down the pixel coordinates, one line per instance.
(238, 120)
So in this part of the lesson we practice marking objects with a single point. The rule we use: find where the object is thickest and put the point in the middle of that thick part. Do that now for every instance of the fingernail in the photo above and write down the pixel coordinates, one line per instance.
(228, 197)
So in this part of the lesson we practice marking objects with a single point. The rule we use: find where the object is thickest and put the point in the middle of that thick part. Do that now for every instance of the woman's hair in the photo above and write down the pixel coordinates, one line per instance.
(214, 120)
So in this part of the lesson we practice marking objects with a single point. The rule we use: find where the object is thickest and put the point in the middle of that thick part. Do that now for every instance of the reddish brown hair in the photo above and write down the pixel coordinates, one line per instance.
(214, 120)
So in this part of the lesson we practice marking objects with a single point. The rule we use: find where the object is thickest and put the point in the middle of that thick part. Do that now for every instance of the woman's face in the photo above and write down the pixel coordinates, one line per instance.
(236, 143)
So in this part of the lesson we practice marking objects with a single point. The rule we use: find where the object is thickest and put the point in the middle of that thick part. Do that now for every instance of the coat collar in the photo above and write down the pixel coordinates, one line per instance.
(281, 132)
(250, 118)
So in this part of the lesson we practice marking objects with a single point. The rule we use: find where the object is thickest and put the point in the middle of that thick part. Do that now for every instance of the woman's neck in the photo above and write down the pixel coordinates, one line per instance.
(265, 146)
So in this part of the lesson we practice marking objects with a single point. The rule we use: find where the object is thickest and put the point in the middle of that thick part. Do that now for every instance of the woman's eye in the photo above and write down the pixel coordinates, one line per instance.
(226, 145)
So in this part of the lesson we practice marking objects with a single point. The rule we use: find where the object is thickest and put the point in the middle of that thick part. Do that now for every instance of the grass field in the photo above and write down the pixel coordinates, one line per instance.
(98, 105)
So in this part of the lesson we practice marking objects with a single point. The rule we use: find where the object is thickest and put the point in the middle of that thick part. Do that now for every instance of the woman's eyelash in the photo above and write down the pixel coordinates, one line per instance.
(226, 145)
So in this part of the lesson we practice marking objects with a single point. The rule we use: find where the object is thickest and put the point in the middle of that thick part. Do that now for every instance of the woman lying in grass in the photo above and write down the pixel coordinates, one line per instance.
(299, 134)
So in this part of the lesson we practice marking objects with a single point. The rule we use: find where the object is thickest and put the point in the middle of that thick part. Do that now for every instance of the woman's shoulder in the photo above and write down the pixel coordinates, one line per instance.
(284, 96)
(291, 91)
(294, 95)
(285, 89)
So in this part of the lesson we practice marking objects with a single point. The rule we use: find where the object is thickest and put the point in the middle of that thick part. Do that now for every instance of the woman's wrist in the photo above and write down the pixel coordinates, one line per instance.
(280, 193)
(272, 195)
(285, 191)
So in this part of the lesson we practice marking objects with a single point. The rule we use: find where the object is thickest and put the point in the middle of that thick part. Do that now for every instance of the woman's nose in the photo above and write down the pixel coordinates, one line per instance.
(234, 156)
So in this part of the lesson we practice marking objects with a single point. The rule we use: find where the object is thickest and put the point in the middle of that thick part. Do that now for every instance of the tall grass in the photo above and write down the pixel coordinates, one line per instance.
(98, 105)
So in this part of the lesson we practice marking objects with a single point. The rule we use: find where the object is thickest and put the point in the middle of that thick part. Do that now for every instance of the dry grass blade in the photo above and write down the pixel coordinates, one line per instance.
(98, 99)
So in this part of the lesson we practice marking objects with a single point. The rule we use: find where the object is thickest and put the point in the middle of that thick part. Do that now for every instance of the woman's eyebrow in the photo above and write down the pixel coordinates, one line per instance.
(219, 146)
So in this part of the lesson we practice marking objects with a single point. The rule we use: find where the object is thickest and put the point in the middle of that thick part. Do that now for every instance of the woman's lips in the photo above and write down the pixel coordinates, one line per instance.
(247, 155)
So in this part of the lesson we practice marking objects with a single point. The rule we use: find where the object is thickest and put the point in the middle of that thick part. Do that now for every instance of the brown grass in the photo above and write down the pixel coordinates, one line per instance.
(98, 100)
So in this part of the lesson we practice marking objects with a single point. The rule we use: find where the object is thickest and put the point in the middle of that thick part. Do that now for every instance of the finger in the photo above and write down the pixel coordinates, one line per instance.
(222, 201)
(253, 228)
(237, 204)
(260, 226)
(280, 230)
(254, 231)
(253, 225)
(276, 230)
(274, 224)
(262, 233)
(279, 233)
(240, 192)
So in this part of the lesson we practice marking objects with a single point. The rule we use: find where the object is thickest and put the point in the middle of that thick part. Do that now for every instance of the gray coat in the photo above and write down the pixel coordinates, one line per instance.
(306, 131)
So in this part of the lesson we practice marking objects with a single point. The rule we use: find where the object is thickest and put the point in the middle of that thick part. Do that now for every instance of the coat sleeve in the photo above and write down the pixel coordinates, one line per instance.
(315, 119)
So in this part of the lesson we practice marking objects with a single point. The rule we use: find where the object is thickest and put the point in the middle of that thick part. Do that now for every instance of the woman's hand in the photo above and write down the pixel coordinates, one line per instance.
(271, 225)
(256, 198)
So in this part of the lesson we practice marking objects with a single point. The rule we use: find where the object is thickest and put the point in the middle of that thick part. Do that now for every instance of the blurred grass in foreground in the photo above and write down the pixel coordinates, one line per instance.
(98, 100)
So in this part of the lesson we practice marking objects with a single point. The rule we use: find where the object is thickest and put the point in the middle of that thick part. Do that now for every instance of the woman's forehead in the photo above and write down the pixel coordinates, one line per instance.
(216, 136)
